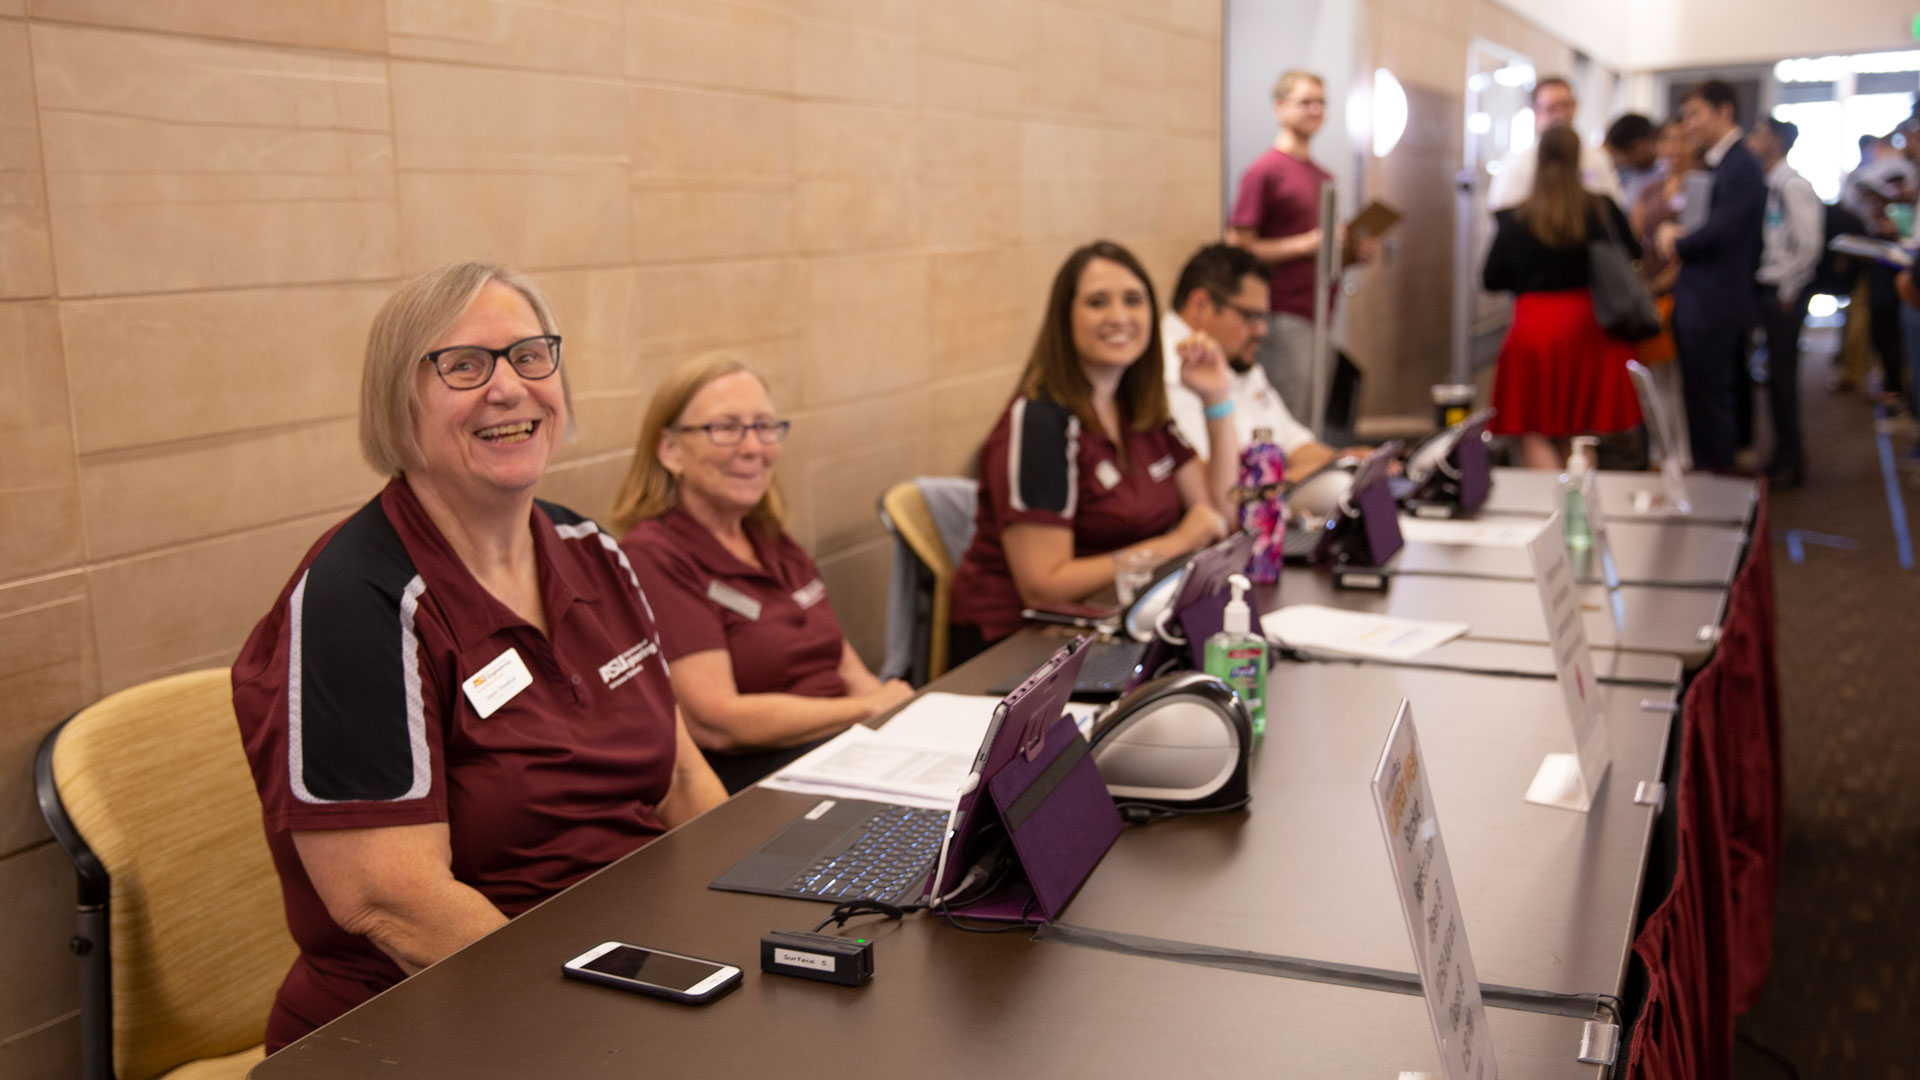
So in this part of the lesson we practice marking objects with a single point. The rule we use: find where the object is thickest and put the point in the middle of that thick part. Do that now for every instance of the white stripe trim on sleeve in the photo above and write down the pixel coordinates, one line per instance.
(1073, 466)
(1016, 424)
(410, 670)
(587, 528)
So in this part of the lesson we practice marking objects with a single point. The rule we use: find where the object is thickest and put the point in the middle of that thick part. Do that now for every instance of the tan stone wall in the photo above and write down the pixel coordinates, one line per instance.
(202, 202)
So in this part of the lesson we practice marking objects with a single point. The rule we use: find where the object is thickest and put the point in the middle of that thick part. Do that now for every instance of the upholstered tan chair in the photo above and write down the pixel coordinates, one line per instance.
(182, 937)
(903, 510)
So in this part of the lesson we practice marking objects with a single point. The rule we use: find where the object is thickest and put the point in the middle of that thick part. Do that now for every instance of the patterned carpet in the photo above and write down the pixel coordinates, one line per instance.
(1843, 998)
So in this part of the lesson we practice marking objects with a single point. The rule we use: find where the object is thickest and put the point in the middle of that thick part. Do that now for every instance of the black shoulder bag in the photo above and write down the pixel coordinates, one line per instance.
(1621, 301)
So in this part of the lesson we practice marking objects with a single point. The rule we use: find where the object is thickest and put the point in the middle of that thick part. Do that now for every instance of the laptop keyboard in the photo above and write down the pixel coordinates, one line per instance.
(1109, 665)
(899, 845)
(1299, 543)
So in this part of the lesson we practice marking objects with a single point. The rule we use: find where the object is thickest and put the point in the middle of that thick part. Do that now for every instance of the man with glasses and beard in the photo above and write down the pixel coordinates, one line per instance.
(1222, 294)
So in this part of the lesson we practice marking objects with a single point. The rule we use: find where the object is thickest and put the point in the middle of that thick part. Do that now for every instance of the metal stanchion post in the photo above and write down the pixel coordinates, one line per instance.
(1326, 271)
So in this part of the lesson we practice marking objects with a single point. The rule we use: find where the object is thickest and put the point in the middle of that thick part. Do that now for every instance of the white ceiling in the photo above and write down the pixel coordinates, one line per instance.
(1659, 34)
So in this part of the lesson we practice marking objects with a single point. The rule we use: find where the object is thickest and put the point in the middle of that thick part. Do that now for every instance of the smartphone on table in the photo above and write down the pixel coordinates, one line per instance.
(653, 971)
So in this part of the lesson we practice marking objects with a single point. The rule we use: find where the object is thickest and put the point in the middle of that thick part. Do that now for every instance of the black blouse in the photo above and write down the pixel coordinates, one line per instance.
(1518, 262)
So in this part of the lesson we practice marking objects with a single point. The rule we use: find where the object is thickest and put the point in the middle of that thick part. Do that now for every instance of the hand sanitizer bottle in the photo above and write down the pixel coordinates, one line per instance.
(1239, 657)
(1573, 494)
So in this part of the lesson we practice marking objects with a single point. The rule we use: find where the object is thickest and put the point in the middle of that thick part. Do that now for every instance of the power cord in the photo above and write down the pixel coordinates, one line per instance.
(998, 928)
(853, 909)
(1141, 813)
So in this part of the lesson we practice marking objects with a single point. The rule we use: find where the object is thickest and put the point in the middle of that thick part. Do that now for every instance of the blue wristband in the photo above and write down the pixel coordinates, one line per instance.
(1221, 411)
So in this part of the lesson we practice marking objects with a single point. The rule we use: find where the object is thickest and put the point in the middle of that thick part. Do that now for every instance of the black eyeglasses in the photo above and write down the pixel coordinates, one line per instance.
(1249, 314)
(470, 367)
(731, 432)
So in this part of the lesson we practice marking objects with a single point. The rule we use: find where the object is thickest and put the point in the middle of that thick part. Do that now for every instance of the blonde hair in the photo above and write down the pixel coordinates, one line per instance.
(407, 325)
(649, 490)
(1283, 86)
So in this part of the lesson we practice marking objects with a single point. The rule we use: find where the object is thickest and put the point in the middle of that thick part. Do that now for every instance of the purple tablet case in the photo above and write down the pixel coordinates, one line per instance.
(1475, 478)
(1368, 531)
(1200, 607)
(1041, 784)
(1062, 820)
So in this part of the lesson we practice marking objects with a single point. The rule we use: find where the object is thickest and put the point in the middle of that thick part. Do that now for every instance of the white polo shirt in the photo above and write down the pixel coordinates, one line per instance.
(1255, 403)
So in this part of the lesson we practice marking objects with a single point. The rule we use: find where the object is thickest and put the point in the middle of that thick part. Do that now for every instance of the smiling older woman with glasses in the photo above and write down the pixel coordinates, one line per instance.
(457, 707)
(759, 663)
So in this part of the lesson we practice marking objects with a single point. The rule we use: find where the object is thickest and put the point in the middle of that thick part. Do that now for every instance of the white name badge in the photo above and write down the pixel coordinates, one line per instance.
(810, 594)
(1108, 474)
(733, 599)
(1161, 469)
(496, 683)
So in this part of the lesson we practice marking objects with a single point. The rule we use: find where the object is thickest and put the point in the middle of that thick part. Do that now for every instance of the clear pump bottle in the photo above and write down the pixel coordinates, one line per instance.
(1238, 656)
(1573, 492)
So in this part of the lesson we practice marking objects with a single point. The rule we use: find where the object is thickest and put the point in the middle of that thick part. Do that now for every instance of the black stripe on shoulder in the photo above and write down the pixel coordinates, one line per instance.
(355, 713)
(1044, 470)
(366, 548)
(561, 516)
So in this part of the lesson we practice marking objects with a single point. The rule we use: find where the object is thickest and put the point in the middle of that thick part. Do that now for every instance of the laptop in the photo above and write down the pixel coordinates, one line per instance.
(853, 849)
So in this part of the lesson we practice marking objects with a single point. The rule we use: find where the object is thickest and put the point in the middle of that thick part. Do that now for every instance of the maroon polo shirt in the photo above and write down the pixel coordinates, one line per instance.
(351, 706)
(1280, 196)
(773, 620)
(1040, 466)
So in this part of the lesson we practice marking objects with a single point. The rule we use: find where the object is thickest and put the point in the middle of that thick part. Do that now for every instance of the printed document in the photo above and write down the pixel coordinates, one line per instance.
(1352, 633)
(919, 758)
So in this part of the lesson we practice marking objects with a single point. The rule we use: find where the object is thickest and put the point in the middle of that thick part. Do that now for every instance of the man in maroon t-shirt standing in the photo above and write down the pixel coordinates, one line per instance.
(1277, 217)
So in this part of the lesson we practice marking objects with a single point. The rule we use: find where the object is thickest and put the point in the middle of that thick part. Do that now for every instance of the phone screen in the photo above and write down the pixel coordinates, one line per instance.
(656, 968)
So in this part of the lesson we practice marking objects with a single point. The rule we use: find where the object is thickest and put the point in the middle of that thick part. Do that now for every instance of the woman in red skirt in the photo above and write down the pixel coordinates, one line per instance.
(1559, 375)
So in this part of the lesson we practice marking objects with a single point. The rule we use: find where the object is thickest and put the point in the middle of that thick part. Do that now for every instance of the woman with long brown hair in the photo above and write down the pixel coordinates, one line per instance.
(759, 664)
(1559, 374)
(1086, 461)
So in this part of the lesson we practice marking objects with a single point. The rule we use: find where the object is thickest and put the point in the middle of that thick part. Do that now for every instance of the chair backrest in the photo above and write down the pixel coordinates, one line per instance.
(906, 512)
(153, 783)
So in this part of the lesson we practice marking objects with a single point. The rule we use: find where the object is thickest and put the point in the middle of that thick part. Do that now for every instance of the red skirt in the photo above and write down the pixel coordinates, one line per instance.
(1559, 373)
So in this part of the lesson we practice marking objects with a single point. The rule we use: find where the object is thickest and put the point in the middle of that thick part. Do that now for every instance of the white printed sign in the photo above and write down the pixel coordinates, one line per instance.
(1431, 906)
(1568, 780)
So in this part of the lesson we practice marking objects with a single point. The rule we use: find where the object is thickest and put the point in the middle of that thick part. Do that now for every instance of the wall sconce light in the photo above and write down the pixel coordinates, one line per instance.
(1389, 112)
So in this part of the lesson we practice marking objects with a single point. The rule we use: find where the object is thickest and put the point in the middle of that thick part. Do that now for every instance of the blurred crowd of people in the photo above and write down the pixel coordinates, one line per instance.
(1731, 245)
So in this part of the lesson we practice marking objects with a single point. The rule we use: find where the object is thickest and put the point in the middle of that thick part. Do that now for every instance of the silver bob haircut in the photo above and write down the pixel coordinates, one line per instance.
(407, 325)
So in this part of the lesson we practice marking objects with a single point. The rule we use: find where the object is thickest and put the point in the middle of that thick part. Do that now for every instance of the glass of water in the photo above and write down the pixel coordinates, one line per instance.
(1132, 572)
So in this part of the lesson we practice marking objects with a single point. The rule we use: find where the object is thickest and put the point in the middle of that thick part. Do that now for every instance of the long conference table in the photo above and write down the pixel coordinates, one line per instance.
(1550, 900)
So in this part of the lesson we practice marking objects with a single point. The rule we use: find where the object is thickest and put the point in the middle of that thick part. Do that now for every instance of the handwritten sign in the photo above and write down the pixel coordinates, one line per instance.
(1568, 780)
(1431, 906)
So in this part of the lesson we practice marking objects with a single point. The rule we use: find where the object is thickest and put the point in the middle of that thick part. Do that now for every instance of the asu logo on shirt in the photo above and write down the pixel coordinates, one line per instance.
(628, 664)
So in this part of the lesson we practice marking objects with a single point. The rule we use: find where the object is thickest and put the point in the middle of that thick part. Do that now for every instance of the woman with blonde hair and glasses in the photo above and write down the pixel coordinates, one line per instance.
(427, 708)
(758, 660)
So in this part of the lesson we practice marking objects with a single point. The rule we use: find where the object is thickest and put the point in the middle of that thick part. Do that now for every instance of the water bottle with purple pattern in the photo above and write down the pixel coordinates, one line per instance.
(1262, 468)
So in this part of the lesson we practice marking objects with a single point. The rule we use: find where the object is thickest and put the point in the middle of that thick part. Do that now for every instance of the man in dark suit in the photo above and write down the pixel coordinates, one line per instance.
(1712, 301)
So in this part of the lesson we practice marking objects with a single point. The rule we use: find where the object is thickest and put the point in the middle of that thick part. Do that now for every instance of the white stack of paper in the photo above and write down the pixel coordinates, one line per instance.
(1352, 633)
(919, 758)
